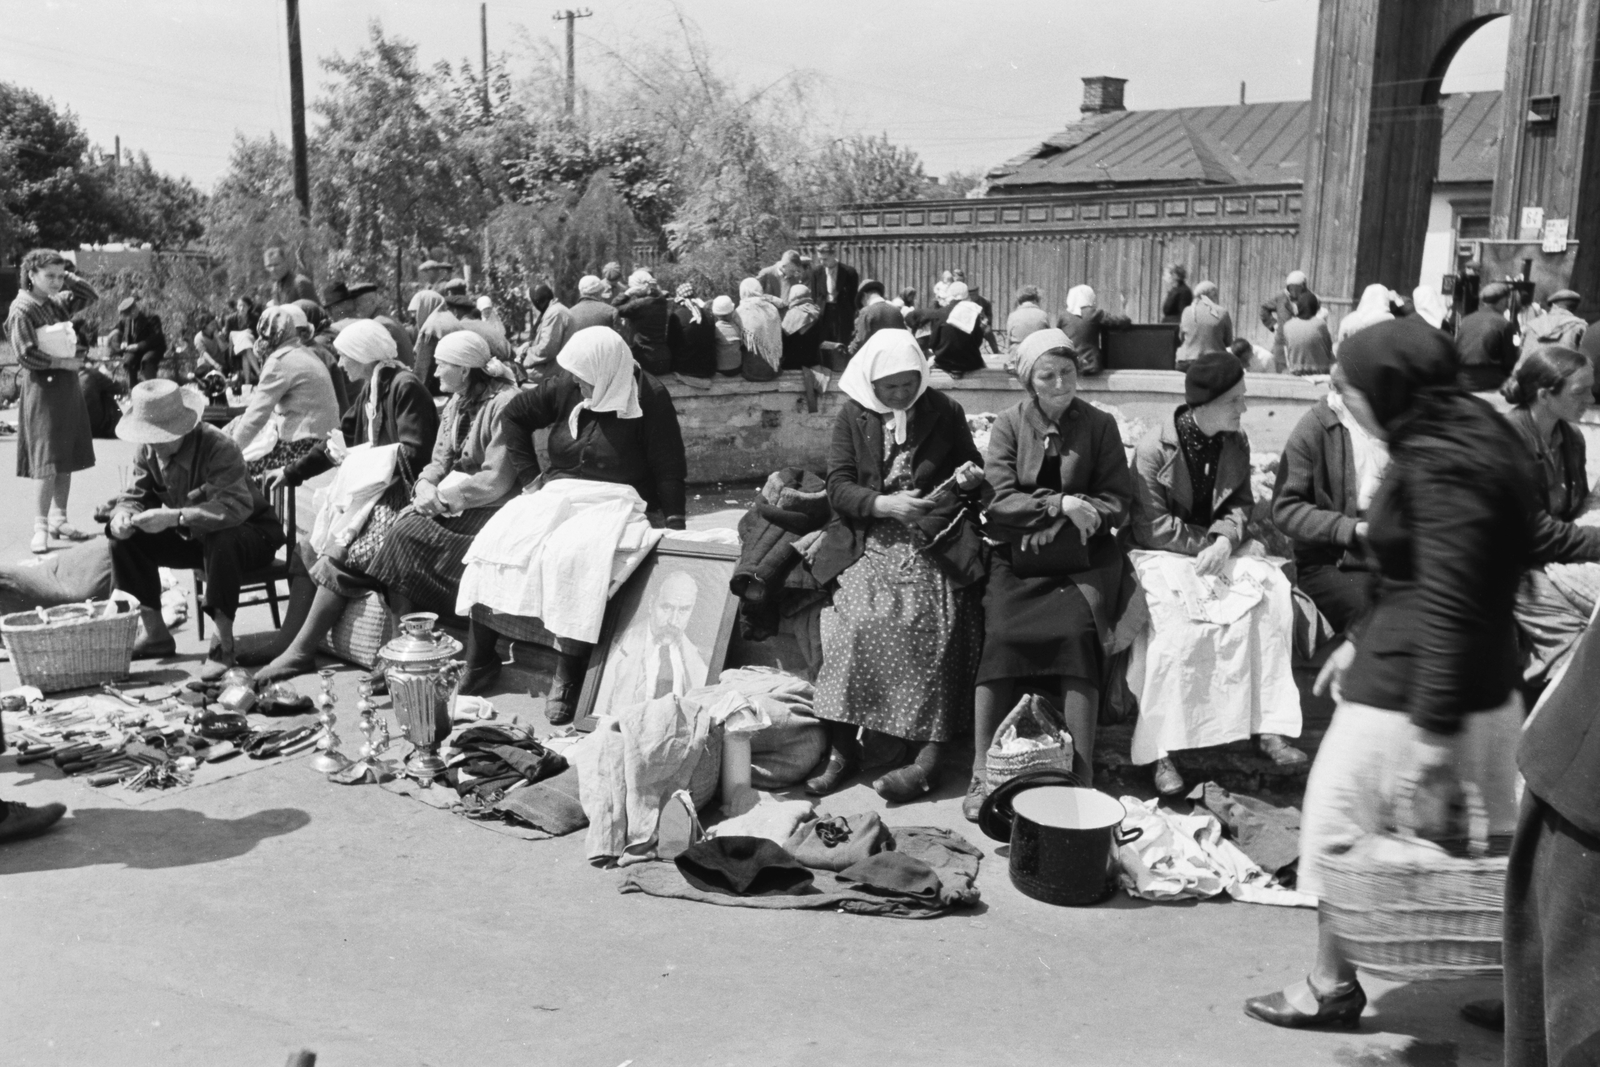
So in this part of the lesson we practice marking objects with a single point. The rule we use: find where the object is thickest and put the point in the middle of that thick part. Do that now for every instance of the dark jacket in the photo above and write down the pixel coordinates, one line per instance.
(1093, 465)
(406, 417)
(592, 311)
(1178, 297)
(205, 479)
(939, 441)
(955, 352)
(839, 314)
(1560, 751)
(646, 453)
(1556, 539)
(1280, 309)
(1450, 534)
(696, 354)
(1163, 501)
(880, 316)
(1087, 334)
(651, 320)
(1487, 343)
(1315, 500)
(143, 331)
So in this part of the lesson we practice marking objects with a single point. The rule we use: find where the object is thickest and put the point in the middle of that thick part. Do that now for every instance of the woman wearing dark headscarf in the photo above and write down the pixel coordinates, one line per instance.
(1427, 686)
(295, 386)
(1059, 471)
(901, 640)
(424, 554)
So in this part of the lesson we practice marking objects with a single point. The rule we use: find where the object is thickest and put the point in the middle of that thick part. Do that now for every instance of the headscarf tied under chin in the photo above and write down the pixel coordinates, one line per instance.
(1079, 297)
(599, 357)
(886, 352)
(366, 341)
(1405, 368)
(280, 326)
(464, 348)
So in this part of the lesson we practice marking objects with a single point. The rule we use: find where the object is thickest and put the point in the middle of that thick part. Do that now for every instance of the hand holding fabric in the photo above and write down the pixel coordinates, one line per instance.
(1213, 557)
(905, 507)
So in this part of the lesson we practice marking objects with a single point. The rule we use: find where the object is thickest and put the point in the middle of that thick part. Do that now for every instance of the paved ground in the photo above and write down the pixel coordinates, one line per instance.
(235, 923)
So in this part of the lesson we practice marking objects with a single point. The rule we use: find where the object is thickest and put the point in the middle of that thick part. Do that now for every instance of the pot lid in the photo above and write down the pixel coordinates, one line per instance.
(995, 818)
(419, 644)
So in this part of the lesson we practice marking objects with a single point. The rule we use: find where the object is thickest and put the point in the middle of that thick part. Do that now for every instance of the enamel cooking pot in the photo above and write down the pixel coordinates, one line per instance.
(1063, 843)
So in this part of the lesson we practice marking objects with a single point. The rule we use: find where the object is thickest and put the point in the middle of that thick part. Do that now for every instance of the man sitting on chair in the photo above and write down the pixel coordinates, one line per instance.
(658, 659)
(189, 504)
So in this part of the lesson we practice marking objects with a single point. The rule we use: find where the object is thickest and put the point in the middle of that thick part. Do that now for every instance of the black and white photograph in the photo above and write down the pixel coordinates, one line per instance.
(539, 534)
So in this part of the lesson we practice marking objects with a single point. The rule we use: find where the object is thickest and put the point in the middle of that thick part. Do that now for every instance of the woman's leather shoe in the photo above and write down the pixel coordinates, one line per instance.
(1280, 751)
(18, 821)
(476, 681)
(1343, 1010)
(904, 785)
(972, 804)
(1169, 783)
(838, 771)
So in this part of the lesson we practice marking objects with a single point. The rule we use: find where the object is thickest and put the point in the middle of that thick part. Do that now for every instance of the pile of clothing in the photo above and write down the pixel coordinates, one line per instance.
(489, 760)
(778, 534)
(850, 862)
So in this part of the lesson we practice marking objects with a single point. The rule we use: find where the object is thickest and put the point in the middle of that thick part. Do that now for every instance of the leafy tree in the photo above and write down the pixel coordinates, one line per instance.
(152, 207)
(865, 170)
(254, 206)
(50, 196)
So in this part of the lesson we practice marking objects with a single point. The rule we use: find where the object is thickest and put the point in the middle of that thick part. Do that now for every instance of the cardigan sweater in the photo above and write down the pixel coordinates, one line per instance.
(1315, 501)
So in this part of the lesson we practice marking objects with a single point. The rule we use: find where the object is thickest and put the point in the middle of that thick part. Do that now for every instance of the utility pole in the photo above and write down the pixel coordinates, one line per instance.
(116, 160)
(297, 112)
(483, 31)
(569, 16)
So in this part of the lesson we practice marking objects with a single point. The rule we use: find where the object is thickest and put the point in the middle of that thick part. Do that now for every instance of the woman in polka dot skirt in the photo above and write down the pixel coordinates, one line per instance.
(901, 640)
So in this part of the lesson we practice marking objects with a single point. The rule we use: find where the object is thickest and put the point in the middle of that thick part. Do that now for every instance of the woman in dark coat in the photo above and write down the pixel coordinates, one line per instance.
(648, 314)
(609, 421)
(1059, 473)
(53, 434)
(1551, 389)
(900, 642)
(957, 332)
(392, 407)
(1086, 325)
(696, 353)
(1427, 687)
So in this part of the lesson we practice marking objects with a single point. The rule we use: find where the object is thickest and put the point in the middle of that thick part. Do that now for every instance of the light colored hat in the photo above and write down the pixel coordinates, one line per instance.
(160, 412)
(722, 305)
(1296, 277)
(591, 285)
(485, 303)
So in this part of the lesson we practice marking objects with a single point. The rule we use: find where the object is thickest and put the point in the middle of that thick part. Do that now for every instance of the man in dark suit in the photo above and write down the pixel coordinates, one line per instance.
(834, 286)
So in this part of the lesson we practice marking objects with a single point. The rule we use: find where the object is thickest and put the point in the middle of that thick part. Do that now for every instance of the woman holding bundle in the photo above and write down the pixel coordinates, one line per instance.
(900, 643)
(392, 407)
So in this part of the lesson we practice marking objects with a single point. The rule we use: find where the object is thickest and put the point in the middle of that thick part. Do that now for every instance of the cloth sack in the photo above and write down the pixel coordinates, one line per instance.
(794, 741)
(551, 805)
(344, 506)
(743, 866)
(1030, 738)
(839, 842)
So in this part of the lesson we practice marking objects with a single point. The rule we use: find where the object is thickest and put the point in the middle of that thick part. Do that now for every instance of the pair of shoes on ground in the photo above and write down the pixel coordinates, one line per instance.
(1169, 783)
(900, 786)
(60, 530)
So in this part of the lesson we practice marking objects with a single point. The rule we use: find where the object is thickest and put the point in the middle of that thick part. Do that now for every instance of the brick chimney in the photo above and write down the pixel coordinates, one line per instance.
(1102, 94)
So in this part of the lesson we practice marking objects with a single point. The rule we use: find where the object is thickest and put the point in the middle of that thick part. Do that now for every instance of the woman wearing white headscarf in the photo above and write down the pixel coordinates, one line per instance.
(958, 328)
(762, 323)
(609, 421)
(1376, 305)
(431, 319)
(1057, 584)
(295, 386)
(1085, 326)
(1434, 308)
(901, 640)
(392, 407)
(421, 560)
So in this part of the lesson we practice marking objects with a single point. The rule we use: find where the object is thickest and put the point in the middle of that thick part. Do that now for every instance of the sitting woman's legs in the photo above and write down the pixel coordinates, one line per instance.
(301, 655)
(1080, 712)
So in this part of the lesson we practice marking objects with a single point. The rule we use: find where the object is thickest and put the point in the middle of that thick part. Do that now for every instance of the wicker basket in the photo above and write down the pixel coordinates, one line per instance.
(1029, 739)
(361, 631)
(75, 645)
(1410, 912)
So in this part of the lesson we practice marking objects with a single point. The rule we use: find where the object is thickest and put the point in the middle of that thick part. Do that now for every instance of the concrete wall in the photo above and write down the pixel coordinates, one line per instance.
(740, 431)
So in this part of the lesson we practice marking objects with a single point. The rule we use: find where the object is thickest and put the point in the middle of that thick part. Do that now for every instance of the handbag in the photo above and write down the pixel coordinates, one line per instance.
(1030, 738)
(1067, 554)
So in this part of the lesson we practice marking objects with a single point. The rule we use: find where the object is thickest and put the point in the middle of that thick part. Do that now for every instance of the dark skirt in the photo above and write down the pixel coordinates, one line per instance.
(424, 558)
(900, 643)
(1552, 941)
(1050, 627)
(53, 432)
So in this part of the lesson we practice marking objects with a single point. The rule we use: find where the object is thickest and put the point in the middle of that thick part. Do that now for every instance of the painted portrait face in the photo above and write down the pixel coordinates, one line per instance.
(673, 606)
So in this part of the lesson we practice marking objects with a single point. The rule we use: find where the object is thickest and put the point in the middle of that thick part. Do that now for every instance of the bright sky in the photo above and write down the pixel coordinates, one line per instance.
(965, 84)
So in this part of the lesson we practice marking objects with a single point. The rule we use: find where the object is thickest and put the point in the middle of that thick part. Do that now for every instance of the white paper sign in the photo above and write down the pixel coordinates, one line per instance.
(1555, 235)
(1532, 222)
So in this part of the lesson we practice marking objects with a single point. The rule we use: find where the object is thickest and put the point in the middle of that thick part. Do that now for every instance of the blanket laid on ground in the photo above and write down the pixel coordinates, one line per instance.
(557, 554)
(883, 884)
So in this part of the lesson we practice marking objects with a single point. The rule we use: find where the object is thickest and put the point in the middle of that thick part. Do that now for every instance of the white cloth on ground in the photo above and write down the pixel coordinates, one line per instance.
(343, 507)
(1184, 857)
(557, 554)
(1204, 672)
(776, 820)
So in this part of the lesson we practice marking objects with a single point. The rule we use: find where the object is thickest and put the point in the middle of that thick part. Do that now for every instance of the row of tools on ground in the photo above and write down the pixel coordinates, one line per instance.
(148, 743)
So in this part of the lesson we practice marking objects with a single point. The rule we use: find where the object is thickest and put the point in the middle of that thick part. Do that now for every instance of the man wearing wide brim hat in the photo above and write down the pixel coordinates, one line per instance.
(190, 504)
(350, 302)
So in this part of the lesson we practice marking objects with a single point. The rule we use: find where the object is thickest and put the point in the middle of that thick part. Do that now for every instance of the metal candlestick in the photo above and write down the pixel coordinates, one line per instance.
(328, 758)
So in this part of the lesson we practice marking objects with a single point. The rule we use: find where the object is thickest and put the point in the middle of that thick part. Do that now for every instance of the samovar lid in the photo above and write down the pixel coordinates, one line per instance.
(418, 644)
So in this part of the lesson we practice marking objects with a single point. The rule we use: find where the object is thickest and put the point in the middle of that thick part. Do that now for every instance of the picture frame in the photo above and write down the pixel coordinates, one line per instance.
(696, 614)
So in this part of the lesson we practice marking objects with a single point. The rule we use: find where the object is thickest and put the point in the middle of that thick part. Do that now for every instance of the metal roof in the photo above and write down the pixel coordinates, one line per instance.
(1239, 144)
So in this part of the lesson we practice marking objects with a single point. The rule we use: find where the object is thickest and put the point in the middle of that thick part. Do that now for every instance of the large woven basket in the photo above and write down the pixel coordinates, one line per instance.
(75, 645)
(1410, 912)
(363, 629)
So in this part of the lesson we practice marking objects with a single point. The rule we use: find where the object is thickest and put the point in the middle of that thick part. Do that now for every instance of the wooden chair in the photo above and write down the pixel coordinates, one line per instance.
(262, 583)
